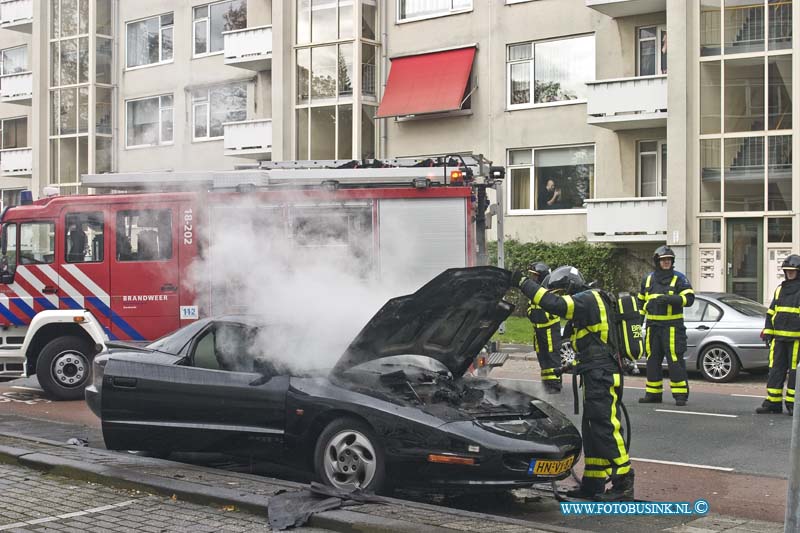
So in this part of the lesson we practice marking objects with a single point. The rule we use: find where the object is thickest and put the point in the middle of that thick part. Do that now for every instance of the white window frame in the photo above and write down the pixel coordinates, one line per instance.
(207, 20)
(161, 60)
(3, 130)
(161, 108)
(451, 11)
(27, 60)
(532, 63)
(207, 103)
(533, 190)
(660, 179)
(660, 28)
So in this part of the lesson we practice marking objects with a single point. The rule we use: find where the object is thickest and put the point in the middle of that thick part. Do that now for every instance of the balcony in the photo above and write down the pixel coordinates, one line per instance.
(626, 219)
(16, 162)
(249, 138)
(628, 103)
(627, 8)
(17, 88)
(16, 15)
(249, 48)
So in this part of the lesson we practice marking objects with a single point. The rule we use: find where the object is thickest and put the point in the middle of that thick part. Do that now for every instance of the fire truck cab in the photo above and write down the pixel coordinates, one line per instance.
(78, 271)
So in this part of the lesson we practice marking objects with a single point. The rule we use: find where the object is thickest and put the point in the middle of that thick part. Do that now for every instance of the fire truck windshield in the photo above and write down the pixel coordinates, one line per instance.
(8, 251)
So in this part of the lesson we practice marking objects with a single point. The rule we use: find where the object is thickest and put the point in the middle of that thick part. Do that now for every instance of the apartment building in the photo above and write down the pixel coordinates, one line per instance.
(607, 134)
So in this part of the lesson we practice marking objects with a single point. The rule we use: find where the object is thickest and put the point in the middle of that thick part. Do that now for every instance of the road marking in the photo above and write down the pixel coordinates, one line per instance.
(760, 397)
(695, 413)
(690, 465)
(46, 519)
(26, 388)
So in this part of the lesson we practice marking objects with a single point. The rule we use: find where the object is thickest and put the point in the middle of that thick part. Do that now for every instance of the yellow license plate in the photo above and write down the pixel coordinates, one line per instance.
(540, 467)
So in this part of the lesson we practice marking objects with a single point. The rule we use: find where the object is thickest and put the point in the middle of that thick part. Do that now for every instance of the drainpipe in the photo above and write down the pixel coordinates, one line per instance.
(384, 74)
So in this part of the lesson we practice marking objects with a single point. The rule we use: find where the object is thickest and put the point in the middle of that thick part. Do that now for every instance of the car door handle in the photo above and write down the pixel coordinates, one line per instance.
(703, 328)
(49, 289)
(124, 383)
(168, 287)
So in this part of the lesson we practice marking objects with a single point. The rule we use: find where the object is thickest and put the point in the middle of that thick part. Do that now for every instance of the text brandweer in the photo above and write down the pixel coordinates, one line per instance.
(146, 298)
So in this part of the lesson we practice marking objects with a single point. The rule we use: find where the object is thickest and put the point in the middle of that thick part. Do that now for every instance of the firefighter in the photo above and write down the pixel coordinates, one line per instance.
(663, 295)
(546, 335)
(566, 295)
(782, 332)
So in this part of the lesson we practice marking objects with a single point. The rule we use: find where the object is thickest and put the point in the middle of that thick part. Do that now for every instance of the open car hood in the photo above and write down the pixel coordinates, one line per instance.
(449, 319)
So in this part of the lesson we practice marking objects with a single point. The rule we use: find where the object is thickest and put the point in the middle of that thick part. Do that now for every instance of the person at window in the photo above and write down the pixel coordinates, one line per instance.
(76, 241)
(550, 196)
(782, 333)
(546, 334)
(663, 295)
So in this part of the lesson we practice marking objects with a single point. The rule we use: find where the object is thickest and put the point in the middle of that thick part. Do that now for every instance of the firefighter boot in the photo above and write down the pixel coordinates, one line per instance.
(768, 407)
(621, 489)
(552, 386)
(680, 401)
(588, 490)
(790, 409)
(649, 397)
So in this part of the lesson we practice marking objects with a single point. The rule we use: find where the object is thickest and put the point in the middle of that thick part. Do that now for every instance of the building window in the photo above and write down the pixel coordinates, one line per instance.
(652, 168)
(210, 20)
(149, 41)
(416, 9)
(14, 60)
(651, 50)
(149, 121)
(212, 107)
(710, 231)
(743, 26)
(14, 132)
(550, 71)
(779, 230)
(550, 178)
(321, 21)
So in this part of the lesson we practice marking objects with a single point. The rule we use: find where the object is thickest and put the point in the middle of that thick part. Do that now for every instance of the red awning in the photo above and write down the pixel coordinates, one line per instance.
(427, 83)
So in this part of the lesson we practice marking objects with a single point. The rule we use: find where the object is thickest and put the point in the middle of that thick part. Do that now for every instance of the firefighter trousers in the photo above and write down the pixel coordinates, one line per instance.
(604, 449)
(669, 342)
(782, 358)
(547, 343)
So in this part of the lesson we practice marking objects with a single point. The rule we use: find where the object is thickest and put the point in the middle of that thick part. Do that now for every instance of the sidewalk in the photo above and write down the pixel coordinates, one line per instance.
(251, 493)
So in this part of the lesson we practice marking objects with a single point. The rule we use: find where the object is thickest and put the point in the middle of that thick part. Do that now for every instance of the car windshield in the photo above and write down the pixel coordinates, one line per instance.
(745, 306)
(175, 341)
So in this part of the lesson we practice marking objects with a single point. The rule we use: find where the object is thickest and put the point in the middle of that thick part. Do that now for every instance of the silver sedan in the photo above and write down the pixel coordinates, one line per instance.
(723, 337)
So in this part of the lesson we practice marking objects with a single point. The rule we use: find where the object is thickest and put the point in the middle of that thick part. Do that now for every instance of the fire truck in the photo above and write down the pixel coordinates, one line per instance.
(78, 271)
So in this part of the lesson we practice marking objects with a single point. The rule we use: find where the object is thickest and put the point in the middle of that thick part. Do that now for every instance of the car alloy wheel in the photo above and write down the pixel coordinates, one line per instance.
(719, 364)
(567, 353)
(349, 460)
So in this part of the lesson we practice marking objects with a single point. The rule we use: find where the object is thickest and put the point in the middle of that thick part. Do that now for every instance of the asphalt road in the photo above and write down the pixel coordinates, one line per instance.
(716, 448)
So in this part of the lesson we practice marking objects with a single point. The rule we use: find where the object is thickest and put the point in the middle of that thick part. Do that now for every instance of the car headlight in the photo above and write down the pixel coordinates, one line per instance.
(98, 370)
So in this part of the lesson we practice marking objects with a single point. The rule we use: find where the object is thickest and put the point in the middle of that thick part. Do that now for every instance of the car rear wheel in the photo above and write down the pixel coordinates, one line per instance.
(718, 363)
(567, 353)
(349, 457)
(64, 366)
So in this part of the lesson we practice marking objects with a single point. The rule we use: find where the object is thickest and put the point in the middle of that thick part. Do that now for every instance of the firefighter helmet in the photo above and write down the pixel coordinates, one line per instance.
(539, 269)
(791, 263)
(567, 279)
(662, 252)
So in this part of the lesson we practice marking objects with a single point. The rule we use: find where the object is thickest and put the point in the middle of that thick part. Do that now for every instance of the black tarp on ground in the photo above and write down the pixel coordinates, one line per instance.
(293, 509)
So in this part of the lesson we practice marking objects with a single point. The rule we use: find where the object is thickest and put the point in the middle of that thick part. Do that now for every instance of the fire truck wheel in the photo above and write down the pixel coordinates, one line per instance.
(349, 457)
(64, 367)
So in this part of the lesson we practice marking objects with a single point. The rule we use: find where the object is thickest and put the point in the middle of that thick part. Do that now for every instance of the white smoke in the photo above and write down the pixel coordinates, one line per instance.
(304, 270)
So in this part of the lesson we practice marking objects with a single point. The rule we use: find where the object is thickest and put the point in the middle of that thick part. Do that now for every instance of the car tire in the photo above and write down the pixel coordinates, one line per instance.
(567, 353)
(348, 457)
(64, 367)
(718, 363)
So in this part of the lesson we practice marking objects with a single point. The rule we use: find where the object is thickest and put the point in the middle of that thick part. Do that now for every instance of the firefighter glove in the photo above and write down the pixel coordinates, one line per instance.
(517, 278)
(673, 299)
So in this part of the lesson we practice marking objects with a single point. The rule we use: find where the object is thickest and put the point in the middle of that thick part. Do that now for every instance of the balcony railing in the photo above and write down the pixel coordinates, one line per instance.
(16, 15)
(627, 8)
(249, 48)
(16, 88)
(626, 219)
(16, 162)
(249, 138)
(628, 103)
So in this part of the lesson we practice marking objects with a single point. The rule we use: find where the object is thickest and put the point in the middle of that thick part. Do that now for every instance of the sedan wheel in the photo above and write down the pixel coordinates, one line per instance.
(719, 364)
(348, 457)
(567, 353)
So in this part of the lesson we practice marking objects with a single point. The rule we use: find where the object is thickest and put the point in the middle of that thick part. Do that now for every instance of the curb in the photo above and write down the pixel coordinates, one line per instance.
(346, 521)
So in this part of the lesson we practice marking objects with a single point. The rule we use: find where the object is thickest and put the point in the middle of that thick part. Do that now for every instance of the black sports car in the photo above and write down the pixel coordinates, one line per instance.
(396, 406)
